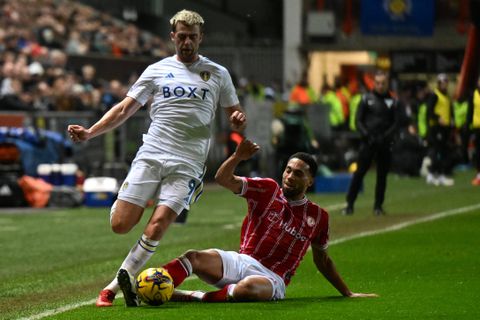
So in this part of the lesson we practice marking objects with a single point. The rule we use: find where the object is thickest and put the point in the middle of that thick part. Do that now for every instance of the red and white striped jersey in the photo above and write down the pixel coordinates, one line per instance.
(277, 232)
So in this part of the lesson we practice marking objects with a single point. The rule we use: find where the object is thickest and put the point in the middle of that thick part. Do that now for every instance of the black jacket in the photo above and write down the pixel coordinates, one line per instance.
(377, 116)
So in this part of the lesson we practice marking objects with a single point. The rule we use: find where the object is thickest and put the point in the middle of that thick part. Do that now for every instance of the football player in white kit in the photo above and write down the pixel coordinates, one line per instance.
(185, 90)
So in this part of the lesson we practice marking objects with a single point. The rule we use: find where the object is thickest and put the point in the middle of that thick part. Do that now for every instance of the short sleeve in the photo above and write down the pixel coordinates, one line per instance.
(321, 239)
(257, 188)
(143, 88)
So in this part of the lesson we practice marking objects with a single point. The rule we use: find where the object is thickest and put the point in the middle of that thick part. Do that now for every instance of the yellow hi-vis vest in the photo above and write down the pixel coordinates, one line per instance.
(354, 102)
(422, 120)
(476, 109)
(460, 110)
(442, 108)
(336, 114)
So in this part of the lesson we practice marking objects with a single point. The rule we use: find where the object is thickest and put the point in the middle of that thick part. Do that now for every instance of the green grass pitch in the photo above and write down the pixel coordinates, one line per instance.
(53, 259)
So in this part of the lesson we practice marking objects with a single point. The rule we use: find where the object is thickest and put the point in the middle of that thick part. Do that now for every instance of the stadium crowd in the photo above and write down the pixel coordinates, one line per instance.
(36, 38)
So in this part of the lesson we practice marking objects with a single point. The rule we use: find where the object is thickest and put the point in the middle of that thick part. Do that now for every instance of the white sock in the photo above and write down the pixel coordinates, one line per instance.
(230, 291)
(187, 295)
(136, 259)
(113, 286)
(186, 264)
(197, 295)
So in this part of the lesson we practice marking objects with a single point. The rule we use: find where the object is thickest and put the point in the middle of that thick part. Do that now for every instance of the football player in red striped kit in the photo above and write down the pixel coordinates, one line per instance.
(277, 231)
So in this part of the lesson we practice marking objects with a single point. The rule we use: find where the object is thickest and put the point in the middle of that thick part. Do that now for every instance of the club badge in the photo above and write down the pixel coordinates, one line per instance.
(124, 186)
(205, 75)
(310, 221)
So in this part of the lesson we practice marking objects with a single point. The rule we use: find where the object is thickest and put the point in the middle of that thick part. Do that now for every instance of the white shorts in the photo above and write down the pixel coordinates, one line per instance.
(169, 182)
(238, 266)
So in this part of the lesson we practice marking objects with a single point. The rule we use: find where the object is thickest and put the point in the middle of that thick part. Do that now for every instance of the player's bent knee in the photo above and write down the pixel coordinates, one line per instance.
(252, 291)
(120, 224)
(192, 256)
(121, 227)
(124, 216)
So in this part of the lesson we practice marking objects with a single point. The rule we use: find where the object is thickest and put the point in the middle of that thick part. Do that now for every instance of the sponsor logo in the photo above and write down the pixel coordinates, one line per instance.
(292, 231)
(189, 92)
(170, 76)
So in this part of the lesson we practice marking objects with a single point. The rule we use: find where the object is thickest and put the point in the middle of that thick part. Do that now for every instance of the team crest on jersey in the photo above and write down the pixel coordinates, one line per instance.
(205, 75)
(124, 186)
(310, 221)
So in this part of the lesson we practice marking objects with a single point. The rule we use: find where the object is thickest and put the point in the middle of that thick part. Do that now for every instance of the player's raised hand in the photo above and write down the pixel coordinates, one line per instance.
(238, 120)
(246, 149)
(78, 133)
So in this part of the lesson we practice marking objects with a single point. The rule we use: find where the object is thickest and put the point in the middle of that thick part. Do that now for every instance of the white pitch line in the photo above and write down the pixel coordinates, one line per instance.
(395, 227)
(53, 312)
(335, 206)
(403, 225)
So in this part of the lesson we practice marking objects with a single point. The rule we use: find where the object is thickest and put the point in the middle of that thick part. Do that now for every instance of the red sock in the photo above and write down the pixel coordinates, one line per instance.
(217, 296)
(177, 271)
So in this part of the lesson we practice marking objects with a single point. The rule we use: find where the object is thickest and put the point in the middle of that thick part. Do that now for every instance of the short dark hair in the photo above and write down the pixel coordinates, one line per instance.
(308, 159)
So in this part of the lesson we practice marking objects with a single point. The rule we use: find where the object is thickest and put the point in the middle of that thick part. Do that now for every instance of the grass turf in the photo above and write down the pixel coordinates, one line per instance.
(60, 257)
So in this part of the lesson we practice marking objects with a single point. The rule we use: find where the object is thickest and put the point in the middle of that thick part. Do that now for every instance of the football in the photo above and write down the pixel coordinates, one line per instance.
(154, 286)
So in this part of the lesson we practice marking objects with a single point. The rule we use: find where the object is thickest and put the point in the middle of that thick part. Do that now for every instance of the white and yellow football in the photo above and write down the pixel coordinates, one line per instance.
(154, 286)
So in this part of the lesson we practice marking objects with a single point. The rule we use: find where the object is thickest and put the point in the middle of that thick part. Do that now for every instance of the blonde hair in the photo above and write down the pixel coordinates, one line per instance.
(188, 17)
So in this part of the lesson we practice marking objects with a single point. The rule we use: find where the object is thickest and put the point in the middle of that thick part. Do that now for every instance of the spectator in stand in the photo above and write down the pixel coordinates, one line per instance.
(291, 133)
(16, 99)
(460, 110)
(423, 92)
(440, 124)
(35, 38)
(113, 94)
(302, 94)
(330, 99)
(76, 43)
(473, 123)
(255, 89)
(343, 95)
(353, 106)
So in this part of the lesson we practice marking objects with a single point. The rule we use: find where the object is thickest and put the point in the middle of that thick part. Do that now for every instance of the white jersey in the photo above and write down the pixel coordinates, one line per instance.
(185, 97)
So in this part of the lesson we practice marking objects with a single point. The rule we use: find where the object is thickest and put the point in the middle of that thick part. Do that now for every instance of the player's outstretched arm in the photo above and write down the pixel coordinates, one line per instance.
(110, 120)
(326, 266)
(225, 174)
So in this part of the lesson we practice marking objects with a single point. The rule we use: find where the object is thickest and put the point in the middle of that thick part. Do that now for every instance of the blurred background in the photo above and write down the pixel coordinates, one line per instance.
(300, 67)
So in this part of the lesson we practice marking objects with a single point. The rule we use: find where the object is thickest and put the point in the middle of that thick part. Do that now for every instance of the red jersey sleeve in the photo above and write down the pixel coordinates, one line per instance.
(321, 240)
(258, 188)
